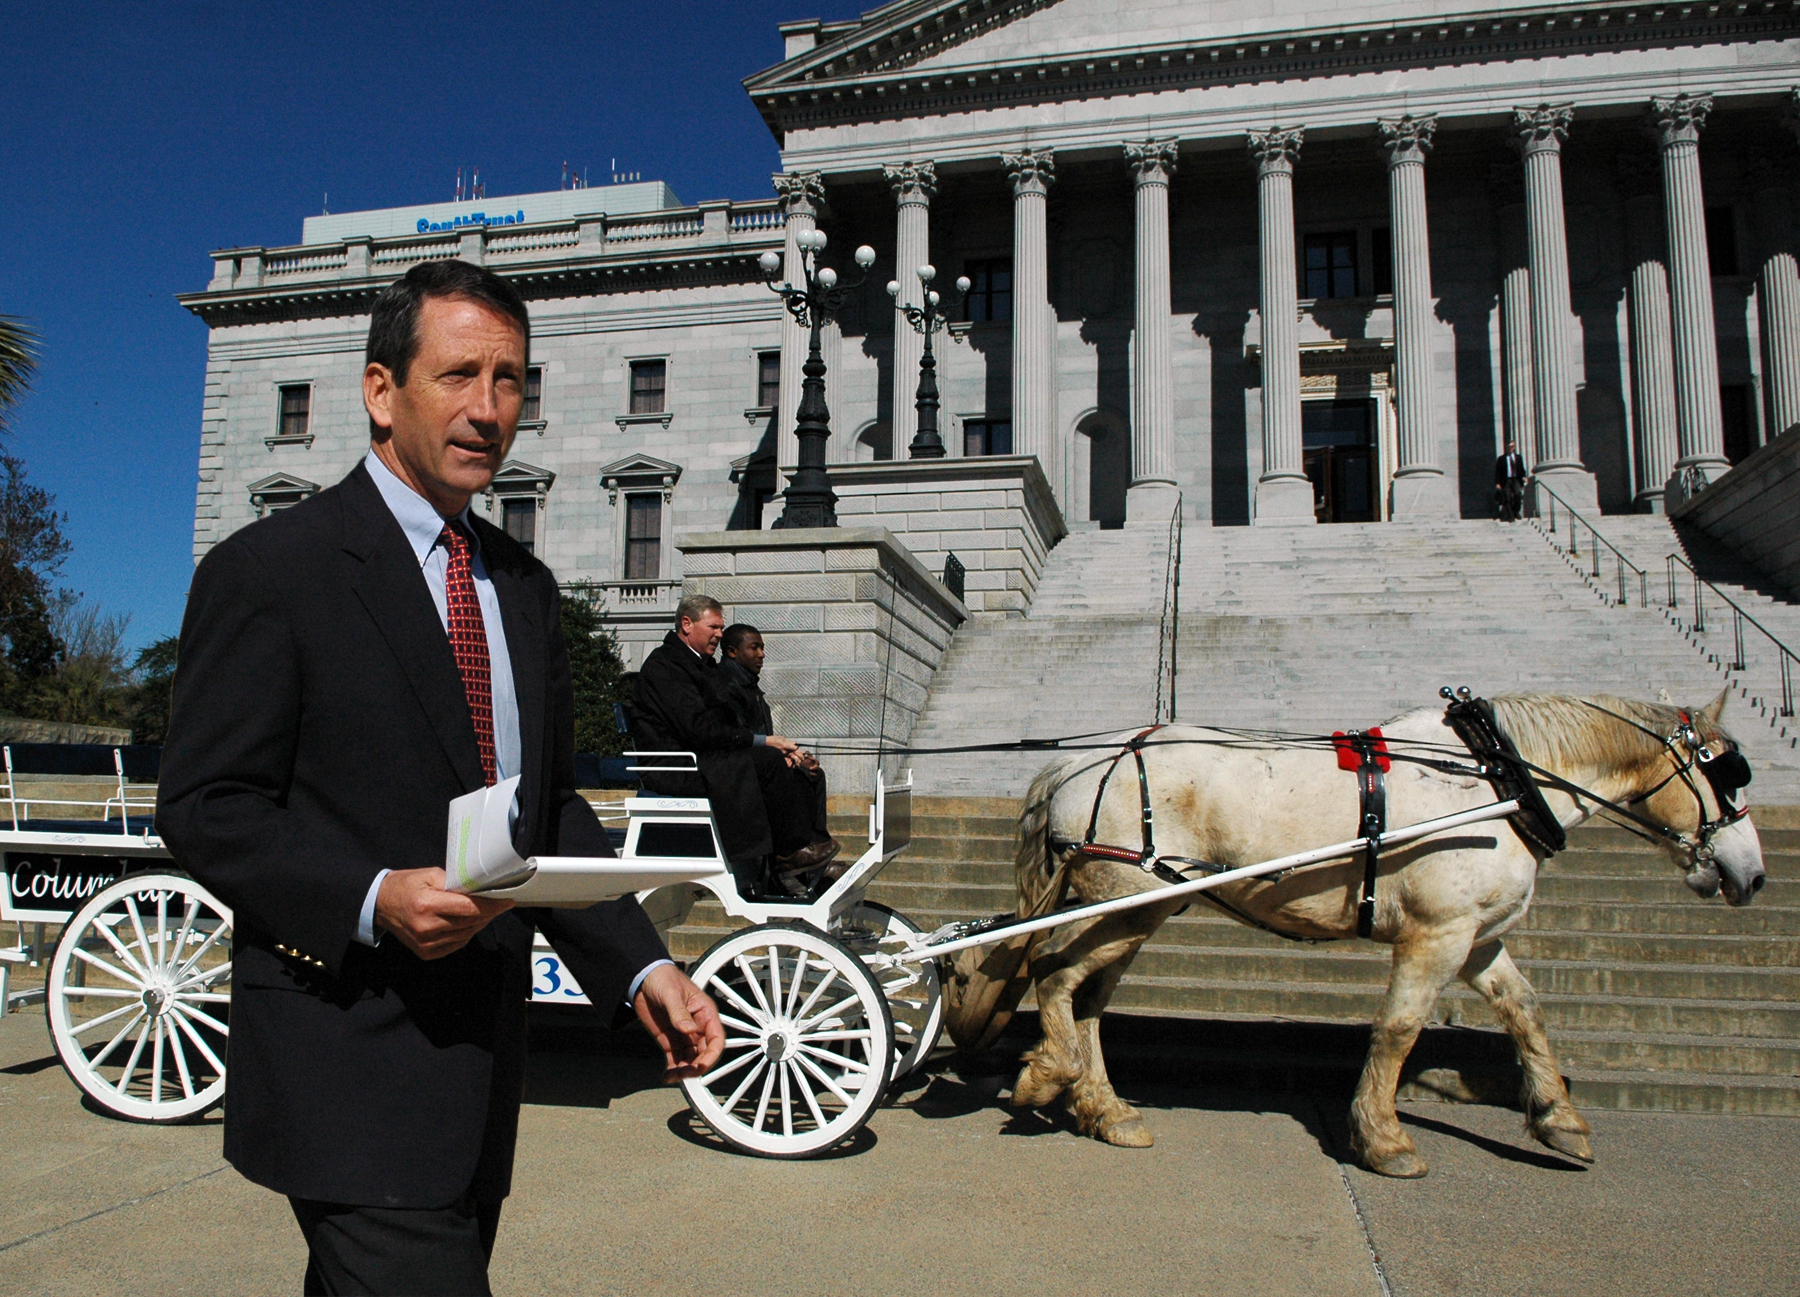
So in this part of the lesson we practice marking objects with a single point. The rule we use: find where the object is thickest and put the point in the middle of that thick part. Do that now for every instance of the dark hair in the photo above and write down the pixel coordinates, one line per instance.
(735, 634)
(394, 323)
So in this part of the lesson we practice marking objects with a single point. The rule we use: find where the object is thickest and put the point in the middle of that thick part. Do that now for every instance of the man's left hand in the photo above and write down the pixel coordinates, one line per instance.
(683, 1020)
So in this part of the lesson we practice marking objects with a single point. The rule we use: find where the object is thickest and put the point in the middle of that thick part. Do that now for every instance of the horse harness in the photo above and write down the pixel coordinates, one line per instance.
(1365, 753)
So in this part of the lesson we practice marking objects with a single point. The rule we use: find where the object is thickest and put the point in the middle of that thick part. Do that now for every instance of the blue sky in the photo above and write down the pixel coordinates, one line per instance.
(139, 137)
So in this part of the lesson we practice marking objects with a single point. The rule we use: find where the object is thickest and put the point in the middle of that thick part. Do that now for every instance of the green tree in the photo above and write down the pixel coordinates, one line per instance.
(32, 546)
(147, 700)
(90, 682)
(596, 667)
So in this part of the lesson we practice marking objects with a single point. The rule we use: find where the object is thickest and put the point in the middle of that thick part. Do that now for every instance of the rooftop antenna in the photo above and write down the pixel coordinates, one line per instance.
(325, 207)
(459, 184)
(565, 175)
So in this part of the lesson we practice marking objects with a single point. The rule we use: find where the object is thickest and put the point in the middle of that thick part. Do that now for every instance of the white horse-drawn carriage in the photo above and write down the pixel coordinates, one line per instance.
(137, 986)
(828, 998)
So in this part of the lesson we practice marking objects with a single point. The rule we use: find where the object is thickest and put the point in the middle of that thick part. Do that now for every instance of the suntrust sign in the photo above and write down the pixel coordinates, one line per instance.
(426, 226)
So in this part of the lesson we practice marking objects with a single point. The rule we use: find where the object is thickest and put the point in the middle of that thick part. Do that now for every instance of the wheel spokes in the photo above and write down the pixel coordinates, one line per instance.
(89, 958)
(755, 985)
(762, 1104)
(724, 1070)
(123, 1032)
(181, 1020)
(823, 1079)
(142, 974)
(762, 1063)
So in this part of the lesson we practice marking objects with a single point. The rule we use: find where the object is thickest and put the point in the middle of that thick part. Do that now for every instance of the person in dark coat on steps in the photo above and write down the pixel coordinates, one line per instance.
(1509, 483)
(741, 667)
(762, 800)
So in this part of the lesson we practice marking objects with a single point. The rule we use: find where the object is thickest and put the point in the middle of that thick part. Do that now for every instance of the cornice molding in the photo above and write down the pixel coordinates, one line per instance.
(825, 87)
(541, 283)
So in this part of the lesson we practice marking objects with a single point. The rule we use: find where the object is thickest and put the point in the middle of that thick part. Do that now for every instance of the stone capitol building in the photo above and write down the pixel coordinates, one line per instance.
(1266, 265)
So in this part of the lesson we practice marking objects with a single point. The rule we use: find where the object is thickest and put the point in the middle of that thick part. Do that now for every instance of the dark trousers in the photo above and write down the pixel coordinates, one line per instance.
(795, 803)
(391, 1253)
(1512, 500)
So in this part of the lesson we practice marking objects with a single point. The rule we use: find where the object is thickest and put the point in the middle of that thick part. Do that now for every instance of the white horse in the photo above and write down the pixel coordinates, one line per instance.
(1442, 903)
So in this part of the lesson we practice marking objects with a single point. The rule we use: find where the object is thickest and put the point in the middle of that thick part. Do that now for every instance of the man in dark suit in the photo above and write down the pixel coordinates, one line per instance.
(347, 667)
(762, 799)
(1509, 483)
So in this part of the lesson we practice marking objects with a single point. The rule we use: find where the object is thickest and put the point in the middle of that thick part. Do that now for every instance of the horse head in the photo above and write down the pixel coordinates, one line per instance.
(1696, 788)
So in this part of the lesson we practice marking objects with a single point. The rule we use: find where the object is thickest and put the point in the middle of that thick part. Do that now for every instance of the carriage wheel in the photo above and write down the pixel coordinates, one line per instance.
(809, 1042)
(137, 998)
(913, 995)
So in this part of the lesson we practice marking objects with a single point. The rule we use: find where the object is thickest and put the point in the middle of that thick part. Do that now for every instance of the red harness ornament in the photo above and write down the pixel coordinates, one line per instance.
(1349, 758)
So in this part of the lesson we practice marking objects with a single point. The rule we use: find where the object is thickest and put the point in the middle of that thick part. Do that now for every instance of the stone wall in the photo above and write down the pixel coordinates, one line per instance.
(995, 513)
(1754, 510)
(855, 627)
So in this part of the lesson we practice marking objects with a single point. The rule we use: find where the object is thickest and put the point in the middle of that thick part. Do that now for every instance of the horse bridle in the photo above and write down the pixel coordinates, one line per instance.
(1726, 773)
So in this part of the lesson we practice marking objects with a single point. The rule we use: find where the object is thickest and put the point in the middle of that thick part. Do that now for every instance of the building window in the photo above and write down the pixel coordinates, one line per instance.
(990, 288)
(647, 385)
(987, 437)
(518, 518)
(1381, 260)
(1721, 241)
(643, 537)
(1329, 265)
(296, 412)
(768, 379)
(532, 409)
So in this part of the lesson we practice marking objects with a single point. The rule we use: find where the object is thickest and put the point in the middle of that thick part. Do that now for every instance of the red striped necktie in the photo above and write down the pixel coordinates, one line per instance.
(468, 640)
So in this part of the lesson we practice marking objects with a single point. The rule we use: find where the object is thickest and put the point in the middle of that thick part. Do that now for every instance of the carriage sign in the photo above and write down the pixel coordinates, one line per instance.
(46, 887)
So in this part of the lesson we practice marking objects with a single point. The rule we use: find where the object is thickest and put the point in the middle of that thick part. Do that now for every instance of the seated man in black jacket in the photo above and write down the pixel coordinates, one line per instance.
(740, 665)
(763, 802)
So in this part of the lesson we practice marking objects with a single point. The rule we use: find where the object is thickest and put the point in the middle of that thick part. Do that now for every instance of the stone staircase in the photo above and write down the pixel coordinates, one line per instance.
(1312, 629)
(1654, 998)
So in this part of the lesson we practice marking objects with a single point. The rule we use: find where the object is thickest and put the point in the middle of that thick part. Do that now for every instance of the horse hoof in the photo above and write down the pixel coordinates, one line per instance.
(1031, 1091)
(1132, 1133)
(1567, 1142)
(1401, 1166)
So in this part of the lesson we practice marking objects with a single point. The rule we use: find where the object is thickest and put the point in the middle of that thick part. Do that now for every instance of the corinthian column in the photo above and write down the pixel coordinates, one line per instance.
(1538, 134)
(1283, 493)
(1699, 422)
(1778, 288)
(915, 185)
(800, 195)
(1152, 362)
(1507, 186)
(1033, 331)
(1652, 355)
(1420, 489)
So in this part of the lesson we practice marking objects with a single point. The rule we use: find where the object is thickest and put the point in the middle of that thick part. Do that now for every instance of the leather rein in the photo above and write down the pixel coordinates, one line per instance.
(1366, 753)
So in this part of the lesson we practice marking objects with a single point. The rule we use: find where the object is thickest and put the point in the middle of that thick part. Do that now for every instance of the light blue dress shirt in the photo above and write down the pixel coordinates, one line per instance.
(424, 527)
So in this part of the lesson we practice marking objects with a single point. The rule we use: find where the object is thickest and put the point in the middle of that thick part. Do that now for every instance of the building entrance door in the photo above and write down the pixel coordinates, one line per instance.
(1338, 444)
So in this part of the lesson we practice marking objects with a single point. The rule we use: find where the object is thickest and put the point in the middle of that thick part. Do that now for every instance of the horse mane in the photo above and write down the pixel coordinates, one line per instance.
(1556, 730)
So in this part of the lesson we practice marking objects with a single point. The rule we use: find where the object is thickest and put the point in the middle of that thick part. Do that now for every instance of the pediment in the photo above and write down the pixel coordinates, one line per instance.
(282, 484)
(520, 476)
(640, 466)
(922, 36)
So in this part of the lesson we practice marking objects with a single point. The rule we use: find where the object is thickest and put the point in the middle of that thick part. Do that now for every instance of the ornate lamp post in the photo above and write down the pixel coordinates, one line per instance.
(810, 500)
(928, 318)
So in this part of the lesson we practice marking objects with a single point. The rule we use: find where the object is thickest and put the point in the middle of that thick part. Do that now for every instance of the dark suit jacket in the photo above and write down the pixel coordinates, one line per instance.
(1509, 469)
(684, 705)
(319, 732)
(747, 699)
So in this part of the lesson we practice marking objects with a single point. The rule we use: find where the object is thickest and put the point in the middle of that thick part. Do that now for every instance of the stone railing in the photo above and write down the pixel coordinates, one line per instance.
(754, 225)
(642, 596)
(1754, 510)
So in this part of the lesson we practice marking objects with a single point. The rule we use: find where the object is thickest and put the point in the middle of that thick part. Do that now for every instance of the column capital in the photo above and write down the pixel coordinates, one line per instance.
(1679, 119)
(1276, 149)
(1031, 171)
(799, 193)
(912, 182)
(1541, 129)
(1407, 138)
(1152, 162)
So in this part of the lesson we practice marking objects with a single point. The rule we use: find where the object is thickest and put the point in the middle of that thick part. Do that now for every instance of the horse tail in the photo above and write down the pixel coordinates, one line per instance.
(986, 983)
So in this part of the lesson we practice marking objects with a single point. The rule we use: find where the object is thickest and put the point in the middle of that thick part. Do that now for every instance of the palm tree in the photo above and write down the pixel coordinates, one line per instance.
(18, 358)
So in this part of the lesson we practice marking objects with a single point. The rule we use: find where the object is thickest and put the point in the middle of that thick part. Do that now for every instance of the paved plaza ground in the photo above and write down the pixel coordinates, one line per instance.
(947, 1191)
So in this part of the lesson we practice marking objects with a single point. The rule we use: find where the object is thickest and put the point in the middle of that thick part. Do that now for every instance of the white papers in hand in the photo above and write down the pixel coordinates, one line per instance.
(478, 852)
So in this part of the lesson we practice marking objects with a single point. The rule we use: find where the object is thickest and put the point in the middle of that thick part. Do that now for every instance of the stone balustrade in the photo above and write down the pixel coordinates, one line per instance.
(737, 226)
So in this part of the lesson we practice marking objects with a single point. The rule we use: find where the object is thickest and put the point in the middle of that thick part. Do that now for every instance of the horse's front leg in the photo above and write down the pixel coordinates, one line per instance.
(1549, 1115)
(1423, 963)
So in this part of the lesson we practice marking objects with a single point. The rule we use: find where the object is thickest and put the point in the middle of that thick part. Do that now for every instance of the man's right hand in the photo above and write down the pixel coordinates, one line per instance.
(428, 920)
(781, 745)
